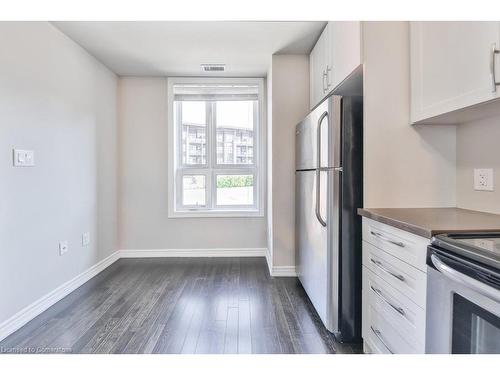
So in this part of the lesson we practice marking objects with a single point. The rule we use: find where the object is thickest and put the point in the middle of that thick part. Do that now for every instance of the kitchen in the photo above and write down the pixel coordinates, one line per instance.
(345, 196)
(399, 314)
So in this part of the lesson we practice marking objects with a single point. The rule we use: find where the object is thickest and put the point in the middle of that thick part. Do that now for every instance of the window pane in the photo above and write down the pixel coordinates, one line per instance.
(193, 190)
(235, 132)
(235, 190)
(194, 133)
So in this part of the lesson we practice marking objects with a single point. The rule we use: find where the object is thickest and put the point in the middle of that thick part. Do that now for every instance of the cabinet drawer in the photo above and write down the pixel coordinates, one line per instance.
(406, 246)
(400, 275)
(392, 315)
(382, 338)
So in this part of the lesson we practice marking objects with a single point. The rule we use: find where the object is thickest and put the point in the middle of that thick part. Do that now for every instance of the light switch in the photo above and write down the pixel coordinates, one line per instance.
(23, 158)
(85, 239)
(63, 247)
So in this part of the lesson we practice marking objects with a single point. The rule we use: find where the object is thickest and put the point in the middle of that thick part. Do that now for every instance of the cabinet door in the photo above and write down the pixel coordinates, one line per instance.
(318, 70)
(313, 74)
(344, 50)
(450, 66)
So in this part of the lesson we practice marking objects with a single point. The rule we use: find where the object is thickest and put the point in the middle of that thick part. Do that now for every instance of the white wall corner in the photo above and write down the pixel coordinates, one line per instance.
(269, 261)
(279, 271)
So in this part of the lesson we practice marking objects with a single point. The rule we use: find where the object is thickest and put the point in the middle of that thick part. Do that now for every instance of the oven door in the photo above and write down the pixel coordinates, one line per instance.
(463, 306)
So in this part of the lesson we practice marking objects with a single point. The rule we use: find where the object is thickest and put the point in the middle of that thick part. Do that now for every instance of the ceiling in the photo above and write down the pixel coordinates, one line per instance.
(153, 48)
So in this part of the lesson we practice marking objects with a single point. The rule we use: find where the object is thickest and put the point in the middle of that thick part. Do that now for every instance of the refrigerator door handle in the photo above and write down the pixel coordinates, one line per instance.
(318, 198)
(318, 170)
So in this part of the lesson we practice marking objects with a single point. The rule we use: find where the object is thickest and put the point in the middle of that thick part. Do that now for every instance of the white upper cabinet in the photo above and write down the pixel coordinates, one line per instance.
(345, 42)
(336, 54)
(318, 61)
(453, 66)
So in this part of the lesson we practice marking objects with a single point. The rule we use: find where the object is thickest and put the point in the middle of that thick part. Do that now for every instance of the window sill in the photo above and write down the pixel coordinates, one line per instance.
(215, 214)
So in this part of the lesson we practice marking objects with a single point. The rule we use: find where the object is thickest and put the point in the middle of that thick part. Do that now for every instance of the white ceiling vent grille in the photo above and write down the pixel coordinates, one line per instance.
(213, 67)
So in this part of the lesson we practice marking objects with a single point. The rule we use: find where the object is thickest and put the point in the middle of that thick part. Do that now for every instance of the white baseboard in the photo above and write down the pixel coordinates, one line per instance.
(36, 308)
(279, 271)
(202, 253)
(283, 271)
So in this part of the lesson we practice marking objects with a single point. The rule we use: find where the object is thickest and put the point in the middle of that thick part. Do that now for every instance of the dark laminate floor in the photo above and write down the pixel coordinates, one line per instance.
(181, 305)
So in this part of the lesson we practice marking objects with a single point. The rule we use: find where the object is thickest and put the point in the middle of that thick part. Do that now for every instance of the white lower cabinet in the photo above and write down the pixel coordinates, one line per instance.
(394, 291)
(410, 281)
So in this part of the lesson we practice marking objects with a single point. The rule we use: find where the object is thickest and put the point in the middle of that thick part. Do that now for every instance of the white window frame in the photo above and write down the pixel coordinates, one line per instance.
(175, 172)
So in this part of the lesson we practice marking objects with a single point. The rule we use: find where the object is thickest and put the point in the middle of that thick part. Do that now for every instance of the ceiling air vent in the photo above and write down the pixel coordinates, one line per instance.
(213, 67)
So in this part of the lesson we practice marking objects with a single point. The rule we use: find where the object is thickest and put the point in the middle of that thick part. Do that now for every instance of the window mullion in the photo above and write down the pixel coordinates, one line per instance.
(211, 150)
(178, 128)
(256, 135)
(214, 153)
(256, 155)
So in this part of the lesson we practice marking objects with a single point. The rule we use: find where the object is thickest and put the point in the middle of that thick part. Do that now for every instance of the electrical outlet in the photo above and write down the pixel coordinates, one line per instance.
(85, 239)
(63, 247)
(483, 179)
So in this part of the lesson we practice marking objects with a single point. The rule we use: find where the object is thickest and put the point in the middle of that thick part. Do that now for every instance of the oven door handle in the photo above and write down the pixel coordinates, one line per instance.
(465, 280)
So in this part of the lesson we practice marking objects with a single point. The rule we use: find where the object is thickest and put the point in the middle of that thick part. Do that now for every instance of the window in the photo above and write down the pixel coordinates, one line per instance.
(215, 147)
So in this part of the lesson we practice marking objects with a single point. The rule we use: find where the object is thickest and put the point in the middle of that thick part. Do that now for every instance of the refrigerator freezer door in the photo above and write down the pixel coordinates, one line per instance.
(308, 133)
(312, 242)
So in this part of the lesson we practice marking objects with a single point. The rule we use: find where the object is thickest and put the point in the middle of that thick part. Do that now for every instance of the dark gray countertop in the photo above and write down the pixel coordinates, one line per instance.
(427, 222)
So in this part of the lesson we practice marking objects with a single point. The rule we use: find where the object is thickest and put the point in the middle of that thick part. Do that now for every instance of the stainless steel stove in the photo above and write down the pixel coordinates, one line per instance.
(463, 294)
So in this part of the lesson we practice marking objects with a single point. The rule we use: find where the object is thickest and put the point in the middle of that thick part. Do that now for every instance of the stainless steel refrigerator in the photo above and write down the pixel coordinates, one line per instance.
(329, 190)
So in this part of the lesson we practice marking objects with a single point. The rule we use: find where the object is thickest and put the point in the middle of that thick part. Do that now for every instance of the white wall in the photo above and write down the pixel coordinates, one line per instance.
(404, 165)
(289, 81)
(60, 102)
(143, 198)
(477, 147)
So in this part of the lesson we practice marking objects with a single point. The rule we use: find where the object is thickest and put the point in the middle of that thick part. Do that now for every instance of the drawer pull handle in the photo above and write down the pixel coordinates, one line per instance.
(494, 83)
(383, 268)
(379, 336)
(384, 238)
(378, 292)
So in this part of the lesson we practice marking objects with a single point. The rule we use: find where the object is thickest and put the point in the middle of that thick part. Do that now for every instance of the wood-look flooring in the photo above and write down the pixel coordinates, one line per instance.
(180, 305)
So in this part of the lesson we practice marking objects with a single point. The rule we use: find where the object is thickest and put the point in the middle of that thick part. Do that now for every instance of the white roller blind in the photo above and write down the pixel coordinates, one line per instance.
(215, 92)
